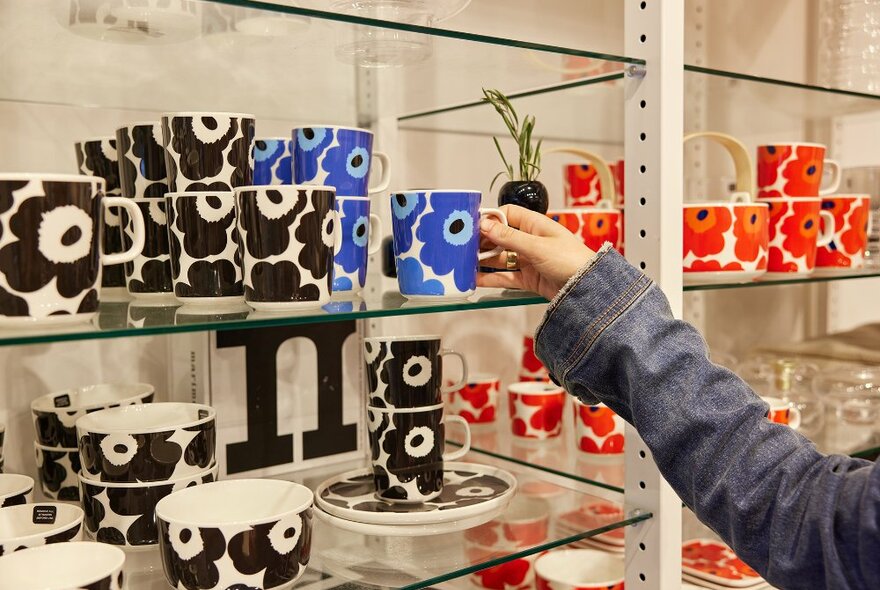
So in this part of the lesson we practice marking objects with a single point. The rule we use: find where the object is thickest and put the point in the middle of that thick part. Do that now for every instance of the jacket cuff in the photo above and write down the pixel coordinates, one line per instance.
(582, 310)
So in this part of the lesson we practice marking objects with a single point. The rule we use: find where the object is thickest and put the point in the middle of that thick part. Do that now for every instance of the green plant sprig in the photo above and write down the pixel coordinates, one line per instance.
(529, 156)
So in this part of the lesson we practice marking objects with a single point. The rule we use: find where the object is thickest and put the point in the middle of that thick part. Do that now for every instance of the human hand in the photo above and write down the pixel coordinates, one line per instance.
(547, 253)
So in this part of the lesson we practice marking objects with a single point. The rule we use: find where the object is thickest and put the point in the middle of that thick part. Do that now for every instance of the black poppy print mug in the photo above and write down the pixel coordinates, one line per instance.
(50, 247)
(407, 451)
(407, 371)
(142, 170)
(205, 256)
(148, 276)
(98, 156)
(288, 235)
(208, 151)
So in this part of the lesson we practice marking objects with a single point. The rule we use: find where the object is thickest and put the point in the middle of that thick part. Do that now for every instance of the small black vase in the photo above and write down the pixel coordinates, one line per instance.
(530, 194)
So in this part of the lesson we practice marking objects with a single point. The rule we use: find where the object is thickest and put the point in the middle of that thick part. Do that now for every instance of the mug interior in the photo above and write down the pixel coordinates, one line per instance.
(534, 388)
(146, 418)
(60, 566)
(581, 567)
(234, 502)
(93, 396)
(12, 484)
(17, 522)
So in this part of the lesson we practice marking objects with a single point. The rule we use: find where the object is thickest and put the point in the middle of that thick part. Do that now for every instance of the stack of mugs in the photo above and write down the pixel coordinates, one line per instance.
(55, 416)
(405, 418)
(132, 457)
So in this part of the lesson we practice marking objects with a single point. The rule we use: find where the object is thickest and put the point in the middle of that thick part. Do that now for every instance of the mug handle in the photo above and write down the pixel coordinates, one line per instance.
(834, 166)
(464, 371)
(828, 229)
(503, 219)
(385, 180)
(745, 176)
(375, 243)
(139, 231)
(466, 445)
(602, 170)
(794, 418)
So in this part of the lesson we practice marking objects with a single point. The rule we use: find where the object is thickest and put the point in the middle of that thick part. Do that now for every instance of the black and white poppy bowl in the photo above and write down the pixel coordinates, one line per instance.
(248, 533)
(55, 414)
(32, 525)
(147, 443)
(15, 489)
(63, 566)
(124, 514)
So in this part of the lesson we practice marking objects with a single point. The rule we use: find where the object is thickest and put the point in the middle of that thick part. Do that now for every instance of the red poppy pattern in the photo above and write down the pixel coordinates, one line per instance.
(715, 562)
(790, 170)
(704, 229)
(794, 229)
(594, 515)
(536, 416)
(518, 574)
(726, 237)
(543, 584)
(598, 429)
(531, 365)
(847, 247)
(780, 416)
(595, 226)
(476, 402)
(582, 186)
(750, 229)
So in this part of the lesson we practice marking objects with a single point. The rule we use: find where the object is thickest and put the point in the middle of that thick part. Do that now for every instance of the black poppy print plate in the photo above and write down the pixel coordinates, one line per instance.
(469, 490)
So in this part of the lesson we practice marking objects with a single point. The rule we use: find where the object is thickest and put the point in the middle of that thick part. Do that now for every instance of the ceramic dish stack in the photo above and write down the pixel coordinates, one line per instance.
(712, 564)
(591, 516)
(132, 457)
(55, 416)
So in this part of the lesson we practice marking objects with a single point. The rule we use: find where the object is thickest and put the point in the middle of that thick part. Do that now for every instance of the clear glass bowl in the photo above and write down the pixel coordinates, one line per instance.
(852, 393)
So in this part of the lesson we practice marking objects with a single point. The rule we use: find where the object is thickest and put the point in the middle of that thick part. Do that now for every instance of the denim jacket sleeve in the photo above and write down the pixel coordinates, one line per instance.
(801, 519)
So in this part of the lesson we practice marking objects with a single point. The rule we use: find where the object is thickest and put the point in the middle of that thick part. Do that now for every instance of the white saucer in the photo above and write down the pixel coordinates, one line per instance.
(410, 530)
(470, 491)
(722, 276)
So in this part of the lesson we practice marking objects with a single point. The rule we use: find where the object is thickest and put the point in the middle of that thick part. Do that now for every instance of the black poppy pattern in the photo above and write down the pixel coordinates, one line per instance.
(204, 245)
(407, 454)
(127, 515)
(150, 272)
(142, 172)
(157, 456)
(58, 470)
(287, 235)
(236, 557)
(99, 157)
(58, 428)
(208, 151)
(403, 373)
(51, 243)
(461, 487)
(17, 499)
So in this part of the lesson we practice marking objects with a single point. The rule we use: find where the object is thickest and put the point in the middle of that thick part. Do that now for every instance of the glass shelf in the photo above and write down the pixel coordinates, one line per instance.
(341, 557)
(137, 318)
(275, 60)
(844, 276)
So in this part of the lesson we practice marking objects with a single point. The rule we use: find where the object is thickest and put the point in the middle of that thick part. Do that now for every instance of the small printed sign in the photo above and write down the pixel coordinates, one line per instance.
(62, 401)
(45, 514)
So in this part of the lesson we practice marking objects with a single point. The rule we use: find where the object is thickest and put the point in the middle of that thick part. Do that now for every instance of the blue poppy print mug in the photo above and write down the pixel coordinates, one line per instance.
(437, 241)
(340, 157)
(361, 238)
(272, 160)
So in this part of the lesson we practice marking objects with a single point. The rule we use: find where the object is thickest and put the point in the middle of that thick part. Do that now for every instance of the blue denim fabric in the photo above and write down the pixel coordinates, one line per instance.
(800, 518)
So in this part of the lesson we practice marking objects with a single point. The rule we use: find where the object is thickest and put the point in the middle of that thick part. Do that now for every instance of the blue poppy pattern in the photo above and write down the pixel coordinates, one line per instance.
(272, 161)
(350, 263)
(334, 157)
(436, 242)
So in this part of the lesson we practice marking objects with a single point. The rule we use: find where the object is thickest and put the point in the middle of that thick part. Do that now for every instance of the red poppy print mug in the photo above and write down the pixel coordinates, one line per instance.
(476, 401)
(725, 242)
(588, 183)
(595, 225)
(525, 523)
(598, 430)
(852, 226)
(796, 234)
(531, 368)
(782, 412)
(794, 170)
(536, 409)
(579, 569)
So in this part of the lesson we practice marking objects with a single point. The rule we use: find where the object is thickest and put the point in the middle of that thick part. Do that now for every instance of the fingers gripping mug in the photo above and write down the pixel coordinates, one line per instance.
(50, 246)
(437, 240)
